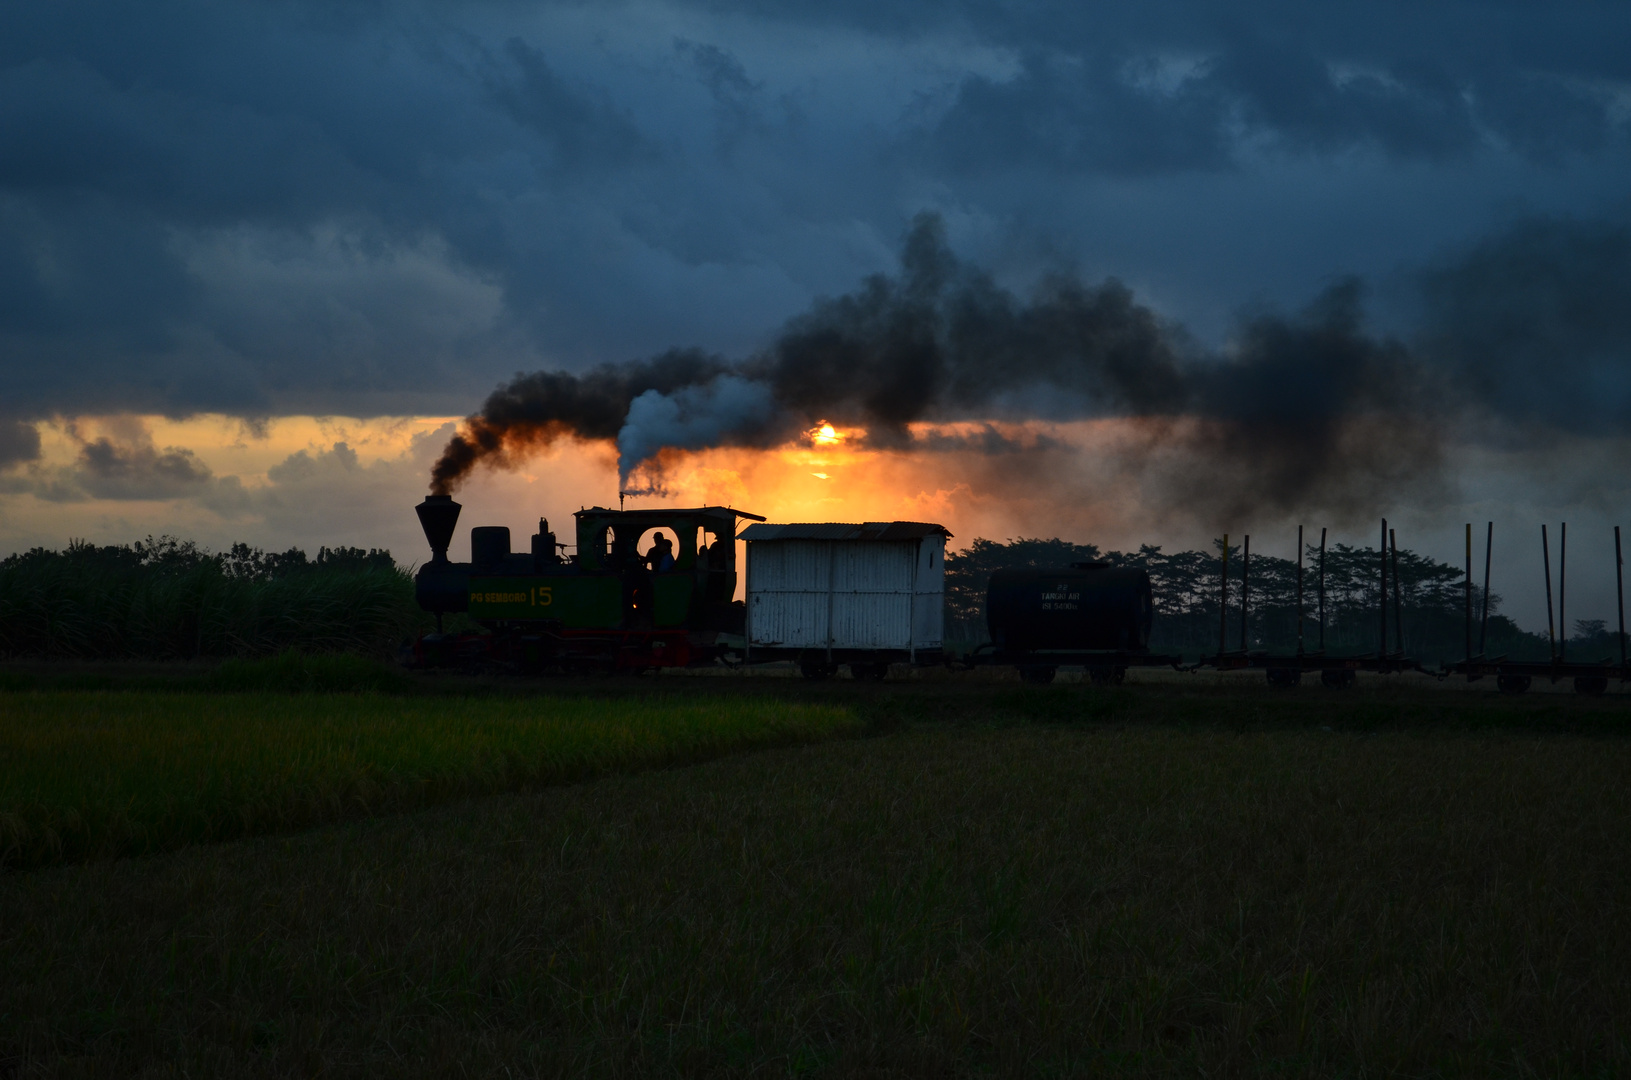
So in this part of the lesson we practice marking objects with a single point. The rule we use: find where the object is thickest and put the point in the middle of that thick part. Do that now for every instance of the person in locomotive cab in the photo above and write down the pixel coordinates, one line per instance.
(661, 556)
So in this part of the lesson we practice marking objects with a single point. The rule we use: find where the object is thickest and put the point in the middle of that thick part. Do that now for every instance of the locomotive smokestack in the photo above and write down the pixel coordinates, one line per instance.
(438, 514)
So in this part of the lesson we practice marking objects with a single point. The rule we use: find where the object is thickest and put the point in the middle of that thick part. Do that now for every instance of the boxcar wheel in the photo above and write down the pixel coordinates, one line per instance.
(1041, 676)
(1590, 684)
(1338, 678)
(1512, 684)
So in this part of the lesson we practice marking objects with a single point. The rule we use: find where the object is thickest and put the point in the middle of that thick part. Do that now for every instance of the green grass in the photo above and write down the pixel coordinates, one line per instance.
(102, 773)
(290, 671)
(1176, 880)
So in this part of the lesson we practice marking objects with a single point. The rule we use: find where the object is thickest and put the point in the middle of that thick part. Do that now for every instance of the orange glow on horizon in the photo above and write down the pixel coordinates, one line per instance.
(945, 474)
(308, 480)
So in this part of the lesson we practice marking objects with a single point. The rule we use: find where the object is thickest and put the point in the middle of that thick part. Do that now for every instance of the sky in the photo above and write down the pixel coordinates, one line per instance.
(259, 261)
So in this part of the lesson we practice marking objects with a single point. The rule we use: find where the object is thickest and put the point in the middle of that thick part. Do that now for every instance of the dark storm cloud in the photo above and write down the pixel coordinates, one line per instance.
(123, 147)
(19, 442)
(125, 465)
(738, 99)
(1061, 112)
(1141, 106)
(1535, 324)
(110, 471)
(578, 132)
(273, 207)
(1293, 96)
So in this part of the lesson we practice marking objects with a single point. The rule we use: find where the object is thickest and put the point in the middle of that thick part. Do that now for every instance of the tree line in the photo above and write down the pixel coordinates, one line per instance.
(165, 598)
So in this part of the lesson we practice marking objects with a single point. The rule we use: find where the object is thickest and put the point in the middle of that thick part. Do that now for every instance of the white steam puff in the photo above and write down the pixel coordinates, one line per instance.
(691, 418)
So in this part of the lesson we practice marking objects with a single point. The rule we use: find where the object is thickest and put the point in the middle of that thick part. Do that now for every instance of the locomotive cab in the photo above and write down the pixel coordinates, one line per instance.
(692, 583)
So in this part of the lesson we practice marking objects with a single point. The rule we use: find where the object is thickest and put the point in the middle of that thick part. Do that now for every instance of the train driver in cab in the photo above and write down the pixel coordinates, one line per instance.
(661, 556)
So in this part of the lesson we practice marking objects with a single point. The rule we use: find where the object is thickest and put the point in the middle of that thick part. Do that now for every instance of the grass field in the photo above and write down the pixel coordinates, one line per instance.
(1155, 881)
(99, 773)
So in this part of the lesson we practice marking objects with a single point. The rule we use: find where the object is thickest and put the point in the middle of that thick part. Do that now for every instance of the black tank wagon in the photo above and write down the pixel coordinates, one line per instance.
(1090, 614)
(1083, 606)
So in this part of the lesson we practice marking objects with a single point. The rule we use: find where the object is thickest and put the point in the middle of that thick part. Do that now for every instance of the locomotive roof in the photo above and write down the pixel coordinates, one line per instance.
(658, 515)
(837, 530)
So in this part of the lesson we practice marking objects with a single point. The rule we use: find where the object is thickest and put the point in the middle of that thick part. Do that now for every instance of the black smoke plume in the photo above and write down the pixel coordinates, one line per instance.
(1297, 410)
(530, 412)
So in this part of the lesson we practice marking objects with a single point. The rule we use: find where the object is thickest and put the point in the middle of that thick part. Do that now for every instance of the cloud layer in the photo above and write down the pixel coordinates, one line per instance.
(277, 208)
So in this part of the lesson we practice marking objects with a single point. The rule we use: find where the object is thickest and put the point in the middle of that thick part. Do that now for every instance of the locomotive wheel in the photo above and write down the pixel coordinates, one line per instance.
(1284, 678)
(869, 672)
(1338, 678)
(1041, 676)
(1512, 684)
(1590, 684)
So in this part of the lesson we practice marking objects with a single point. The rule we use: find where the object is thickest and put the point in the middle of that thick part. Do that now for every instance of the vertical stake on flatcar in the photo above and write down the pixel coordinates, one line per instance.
(1469, 592)
(1551, 635)
(1245, 586)
(1223, 600)
(1483, 629)
(1299, 590)
(1398, 594)
(1381, 606)
(1619, 594)
(1562, 589)
(1322, 590)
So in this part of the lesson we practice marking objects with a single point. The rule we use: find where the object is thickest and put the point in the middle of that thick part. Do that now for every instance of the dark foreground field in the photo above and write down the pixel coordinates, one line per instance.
(1162, 880)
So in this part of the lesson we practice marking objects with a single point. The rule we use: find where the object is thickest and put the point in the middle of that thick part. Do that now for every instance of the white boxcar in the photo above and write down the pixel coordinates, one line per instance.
(874, 591)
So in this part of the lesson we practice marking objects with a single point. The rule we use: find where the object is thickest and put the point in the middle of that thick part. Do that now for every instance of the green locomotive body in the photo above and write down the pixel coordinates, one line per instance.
(607, 605)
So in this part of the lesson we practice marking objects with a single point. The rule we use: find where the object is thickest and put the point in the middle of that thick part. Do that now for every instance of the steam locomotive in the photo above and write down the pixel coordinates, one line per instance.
(607, 607)
(612, 607)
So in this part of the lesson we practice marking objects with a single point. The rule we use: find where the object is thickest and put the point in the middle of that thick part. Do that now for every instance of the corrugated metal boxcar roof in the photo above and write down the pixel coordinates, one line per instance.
(837, 530)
